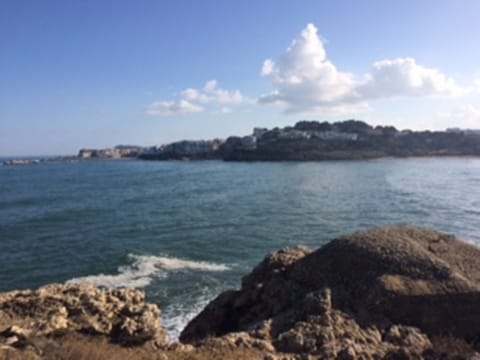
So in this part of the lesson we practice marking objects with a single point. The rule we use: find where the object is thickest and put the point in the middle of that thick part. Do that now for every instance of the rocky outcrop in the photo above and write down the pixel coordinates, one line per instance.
(121, 316)
(376, 294)
(387, 293)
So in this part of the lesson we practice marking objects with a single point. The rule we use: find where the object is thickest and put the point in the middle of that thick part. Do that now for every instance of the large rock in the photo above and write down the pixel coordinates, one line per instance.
(121, 315)
(387, 293)
(384, 292)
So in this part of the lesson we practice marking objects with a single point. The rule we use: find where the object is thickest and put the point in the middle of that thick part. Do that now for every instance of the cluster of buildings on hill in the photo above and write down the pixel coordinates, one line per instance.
(291, 133)
(463, 131)
(303, 132)
(347, 131)
(186, 149)
(250, 142)
(118, 152)
(306, 140)
(211, 149)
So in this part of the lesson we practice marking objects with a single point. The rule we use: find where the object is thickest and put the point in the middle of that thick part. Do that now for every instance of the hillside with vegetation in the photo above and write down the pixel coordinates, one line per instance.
(351, 139)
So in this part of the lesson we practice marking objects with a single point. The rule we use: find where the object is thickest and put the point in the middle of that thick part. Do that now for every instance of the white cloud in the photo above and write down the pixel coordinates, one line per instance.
(196, 100)
(211, 86)
(211, 93)
(404, 77)
(167, 108)
(305, 80)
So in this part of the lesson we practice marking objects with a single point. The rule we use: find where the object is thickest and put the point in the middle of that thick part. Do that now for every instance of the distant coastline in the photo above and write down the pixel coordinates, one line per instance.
(349, 140)
(305, 141)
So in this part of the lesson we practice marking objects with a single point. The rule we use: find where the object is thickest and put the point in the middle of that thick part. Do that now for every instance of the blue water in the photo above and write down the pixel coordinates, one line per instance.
(185, 231)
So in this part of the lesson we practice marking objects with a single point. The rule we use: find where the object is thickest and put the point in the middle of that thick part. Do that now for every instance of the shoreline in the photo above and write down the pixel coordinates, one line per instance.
(300, 309)
(12, 162)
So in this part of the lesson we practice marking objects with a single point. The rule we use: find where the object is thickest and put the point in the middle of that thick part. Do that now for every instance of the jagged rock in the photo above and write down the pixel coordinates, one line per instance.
(373, 294)
(15, 336)
(120, 315)
(239, 340)
(387, 293)
(268, 292)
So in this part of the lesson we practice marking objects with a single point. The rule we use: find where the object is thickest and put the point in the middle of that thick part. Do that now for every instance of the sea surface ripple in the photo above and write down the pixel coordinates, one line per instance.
(185, 231)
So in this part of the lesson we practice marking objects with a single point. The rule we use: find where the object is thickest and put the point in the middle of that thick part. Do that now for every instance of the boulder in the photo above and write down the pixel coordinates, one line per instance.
(120, 315)
(384, 292)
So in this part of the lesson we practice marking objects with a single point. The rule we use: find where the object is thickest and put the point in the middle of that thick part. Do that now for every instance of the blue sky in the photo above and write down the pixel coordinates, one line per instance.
(100, 73)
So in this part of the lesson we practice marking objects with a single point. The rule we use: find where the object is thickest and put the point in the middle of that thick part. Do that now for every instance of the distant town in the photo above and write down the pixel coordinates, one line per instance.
(305, 141)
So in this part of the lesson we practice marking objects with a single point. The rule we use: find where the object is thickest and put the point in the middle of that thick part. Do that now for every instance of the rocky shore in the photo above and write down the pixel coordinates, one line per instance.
(386, 293)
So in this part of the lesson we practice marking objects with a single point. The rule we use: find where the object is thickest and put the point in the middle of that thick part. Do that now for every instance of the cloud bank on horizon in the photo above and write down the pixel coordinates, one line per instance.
(306, 81)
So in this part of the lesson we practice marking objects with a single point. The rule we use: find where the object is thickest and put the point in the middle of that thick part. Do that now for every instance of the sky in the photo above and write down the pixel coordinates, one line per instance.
(98, 73)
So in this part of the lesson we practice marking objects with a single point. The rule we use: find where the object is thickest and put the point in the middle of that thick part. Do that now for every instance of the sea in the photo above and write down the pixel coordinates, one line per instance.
(186, 231)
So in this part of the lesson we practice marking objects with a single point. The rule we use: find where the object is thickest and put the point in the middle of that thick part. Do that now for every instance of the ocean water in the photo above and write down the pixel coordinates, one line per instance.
(185, 231)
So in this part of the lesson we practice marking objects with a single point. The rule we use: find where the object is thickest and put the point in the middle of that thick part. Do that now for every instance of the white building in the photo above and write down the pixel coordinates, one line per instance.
(334, 135)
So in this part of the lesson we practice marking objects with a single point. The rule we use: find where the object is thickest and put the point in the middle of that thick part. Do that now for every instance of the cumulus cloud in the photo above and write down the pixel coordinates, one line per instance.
(197, 100)
(404, 77)
(304, 79)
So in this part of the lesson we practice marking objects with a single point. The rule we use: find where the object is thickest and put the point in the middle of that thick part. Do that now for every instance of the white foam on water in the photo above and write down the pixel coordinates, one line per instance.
(169, 263)
(176, 316)
(144, 269)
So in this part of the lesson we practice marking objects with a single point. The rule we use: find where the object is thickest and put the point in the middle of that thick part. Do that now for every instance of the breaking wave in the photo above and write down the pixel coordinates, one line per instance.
(145, 268)
(177, 315)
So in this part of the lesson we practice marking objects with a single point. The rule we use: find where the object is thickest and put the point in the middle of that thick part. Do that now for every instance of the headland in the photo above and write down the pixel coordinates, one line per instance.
(305, 141)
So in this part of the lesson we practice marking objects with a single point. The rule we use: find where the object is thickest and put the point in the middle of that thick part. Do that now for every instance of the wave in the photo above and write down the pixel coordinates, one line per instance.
(177, 315)
(145, 268)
